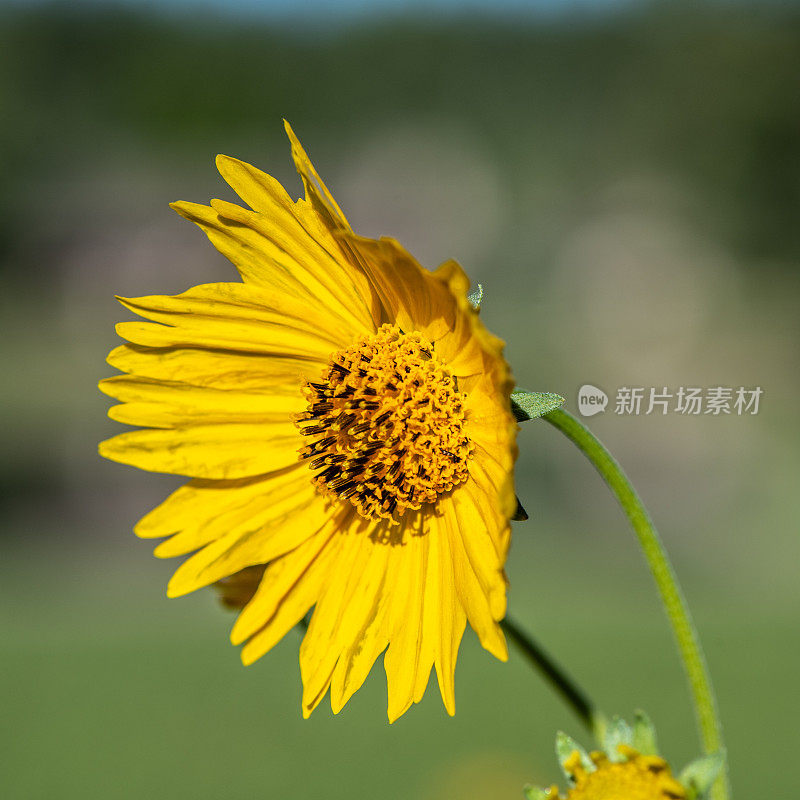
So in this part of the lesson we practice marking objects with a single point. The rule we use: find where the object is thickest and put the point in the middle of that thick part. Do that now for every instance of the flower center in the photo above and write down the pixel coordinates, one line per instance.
(389, 425)
(637, 778)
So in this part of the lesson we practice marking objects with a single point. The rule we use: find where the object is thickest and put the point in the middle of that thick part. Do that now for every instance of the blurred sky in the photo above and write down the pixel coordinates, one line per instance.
(359, 10)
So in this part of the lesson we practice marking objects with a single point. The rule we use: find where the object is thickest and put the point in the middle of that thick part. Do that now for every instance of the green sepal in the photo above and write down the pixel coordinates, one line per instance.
(599, 727)
(565, 747)
(530, 405)
(644, 734)
(617, 732)
(475, 297)
(698, 777)
(535, 793)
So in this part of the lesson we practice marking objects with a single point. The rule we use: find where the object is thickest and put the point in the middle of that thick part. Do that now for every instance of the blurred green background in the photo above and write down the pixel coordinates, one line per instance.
(624, 181)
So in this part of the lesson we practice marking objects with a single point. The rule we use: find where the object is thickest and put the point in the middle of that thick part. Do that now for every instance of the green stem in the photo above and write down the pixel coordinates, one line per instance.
(570, 692)
(674, 604)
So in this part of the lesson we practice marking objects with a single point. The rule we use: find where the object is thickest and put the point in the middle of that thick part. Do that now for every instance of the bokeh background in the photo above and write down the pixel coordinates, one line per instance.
(623, 178)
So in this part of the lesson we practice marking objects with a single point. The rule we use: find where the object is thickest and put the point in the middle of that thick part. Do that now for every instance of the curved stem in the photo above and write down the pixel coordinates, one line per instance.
(671, 597)
(570, 692)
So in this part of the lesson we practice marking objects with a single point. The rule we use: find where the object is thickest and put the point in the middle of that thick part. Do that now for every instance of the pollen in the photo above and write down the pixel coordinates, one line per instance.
(386, 424)
(638, 777)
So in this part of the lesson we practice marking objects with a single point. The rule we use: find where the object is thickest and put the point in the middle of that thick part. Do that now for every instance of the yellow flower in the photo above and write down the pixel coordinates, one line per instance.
(344, 418)
(628, 767)
(636, 777)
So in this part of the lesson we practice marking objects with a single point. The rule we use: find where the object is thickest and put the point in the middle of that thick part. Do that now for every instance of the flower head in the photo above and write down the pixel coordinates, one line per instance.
(345, 421)
(633, 776)
(628, 768)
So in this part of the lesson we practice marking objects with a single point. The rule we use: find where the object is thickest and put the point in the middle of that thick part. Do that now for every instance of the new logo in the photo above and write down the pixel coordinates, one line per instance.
(591, 400)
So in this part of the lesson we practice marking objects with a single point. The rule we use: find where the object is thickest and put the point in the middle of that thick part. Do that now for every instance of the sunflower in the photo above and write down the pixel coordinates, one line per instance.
(344, 418)
(633, 777)
(628, 768)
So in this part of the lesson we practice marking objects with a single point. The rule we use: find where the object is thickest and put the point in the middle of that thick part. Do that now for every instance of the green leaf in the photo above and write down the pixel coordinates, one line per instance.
(618, 732)
(699, 776)
(530, 405)
(565, 747)
(475, 297)
(644, 734)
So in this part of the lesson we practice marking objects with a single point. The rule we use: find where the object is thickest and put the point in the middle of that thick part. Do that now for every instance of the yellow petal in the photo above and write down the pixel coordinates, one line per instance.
(475, 584)
(402, 661)
(475, 515)
(288, 579)
(292, 609)
(257, 258)
(218, 369)
(468, 348)
(358, 637)
(198, 499)
(305, 248)
(429, 633)
(170, 404)
(291, 585)
(257, 537)
(316, 190)
(282, 247)
(202, 511)
(485, 538)
(357, 661)
(339, 609)
(492, 485)
(445, 614)
(247, 338)
(221, 451)
(412, 296)
(242, 314)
